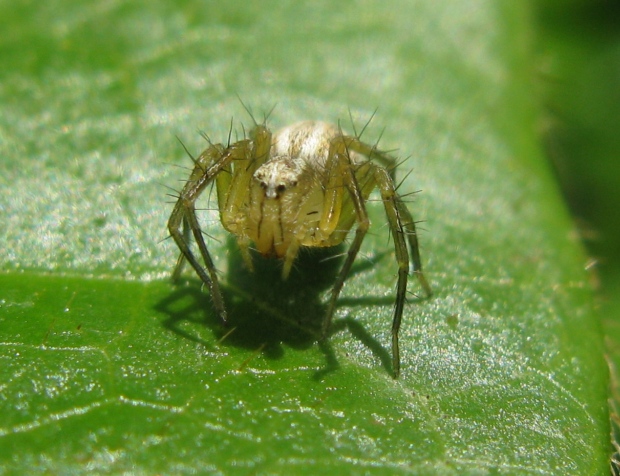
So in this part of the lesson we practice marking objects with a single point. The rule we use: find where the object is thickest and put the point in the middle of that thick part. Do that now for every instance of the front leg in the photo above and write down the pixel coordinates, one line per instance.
(183, 219)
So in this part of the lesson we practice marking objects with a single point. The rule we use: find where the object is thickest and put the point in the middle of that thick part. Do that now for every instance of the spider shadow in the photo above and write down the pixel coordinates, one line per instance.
(266, 312)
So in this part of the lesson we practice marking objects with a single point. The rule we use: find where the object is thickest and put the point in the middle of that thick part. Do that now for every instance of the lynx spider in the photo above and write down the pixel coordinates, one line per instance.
(304, 186)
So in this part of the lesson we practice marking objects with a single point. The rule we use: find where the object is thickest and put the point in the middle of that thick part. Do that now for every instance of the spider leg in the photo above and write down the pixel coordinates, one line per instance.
(372, 152)
(407, 223)
(403, 230)
(344, 176)
(178, 269)
(233, 187)
(408, 226)
(402, 227)
(289, 258)
(183, 219)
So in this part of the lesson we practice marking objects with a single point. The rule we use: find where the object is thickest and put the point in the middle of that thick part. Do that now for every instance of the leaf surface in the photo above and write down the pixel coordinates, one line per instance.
(109, 367)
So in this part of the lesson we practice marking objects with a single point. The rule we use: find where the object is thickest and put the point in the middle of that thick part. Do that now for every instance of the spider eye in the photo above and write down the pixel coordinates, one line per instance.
(263, 185)
(280, 188)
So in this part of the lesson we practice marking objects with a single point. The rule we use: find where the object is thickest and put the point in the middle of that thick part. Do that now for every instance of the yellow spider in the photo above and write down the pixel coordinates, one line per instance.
(307, 185)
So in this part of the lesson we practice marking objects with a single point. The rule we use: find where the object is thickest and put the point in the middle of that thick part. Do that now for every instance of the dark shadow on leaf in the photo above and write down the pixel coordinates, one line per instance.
(369, 301)
(358, 331)
(330, 358)
(266, 312)
(366, 263)
(190, 304)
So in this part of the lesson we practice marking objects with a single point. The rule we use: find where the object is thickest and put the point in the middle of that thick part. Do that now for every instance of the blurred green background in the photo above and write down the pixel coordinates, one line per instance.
(580, 72)
(107, 367)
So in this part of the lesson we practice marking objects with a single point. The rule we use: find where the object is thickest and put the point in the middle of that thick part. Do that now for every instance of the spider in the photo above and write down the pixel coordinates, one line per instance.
(304, 186)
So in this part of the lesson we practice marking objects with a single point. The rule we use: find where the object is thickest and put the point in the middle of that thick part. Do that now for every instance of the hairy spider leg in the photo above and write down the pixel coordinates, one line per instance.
(233, 186)
(386, 181)
(402, 226)
(207, 166)
(365, 177)
(356, 145)
(409, 230)
(340, 161)
(201, 164)
(187, 236)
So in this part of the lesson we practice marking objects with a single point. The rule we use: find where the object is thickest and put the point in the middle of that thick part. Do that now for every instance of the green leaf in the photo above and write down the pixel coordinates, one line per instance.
(580, 45)
(107, 367)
